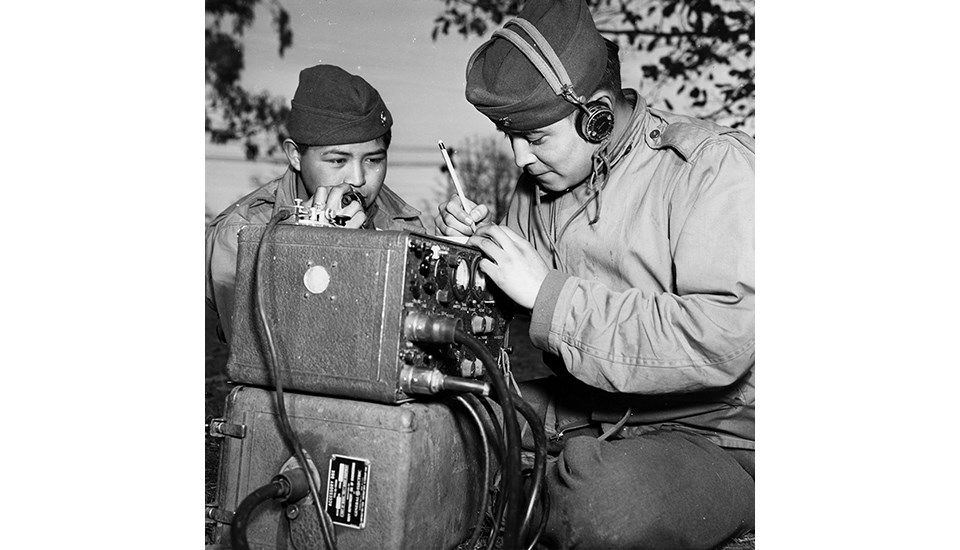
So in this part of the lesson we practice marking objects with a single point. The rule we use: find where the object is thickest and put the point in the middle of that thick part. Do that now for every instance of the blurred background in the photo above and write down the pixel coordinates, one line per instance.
(688, 56)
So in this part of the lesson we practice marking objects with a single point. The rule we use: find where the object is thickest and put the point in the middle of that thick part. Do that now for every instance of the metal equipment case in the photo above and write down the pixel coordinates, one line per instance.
(336, 300)
(423, 466)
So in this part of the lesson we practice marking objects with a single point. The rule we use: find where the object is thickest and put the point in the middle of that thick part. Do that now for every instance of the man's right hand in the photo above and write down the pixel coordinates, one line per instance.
(453, 221)
(330, 199)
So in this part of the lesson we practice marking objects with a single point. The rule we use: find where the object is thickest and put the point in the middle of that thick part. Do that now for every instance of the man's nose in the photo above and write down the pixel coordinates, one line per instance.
(356, 177)
(521, 152)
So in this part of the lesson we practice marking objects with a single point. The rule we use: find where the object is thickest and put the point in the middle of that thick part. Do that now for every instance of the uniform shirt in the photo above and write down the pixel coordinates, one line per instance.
(388, 211)
(655, 306)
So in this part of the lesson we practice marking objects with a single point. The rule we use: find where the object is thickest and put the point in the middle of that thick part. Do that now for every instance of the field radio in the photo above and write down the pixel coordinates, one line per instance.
(349, 310)
(360, 328)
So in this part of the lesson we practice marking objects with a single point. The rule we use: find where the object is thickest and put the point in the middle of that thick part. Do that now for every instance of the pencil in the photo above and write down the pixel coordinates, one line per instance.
(456, 180)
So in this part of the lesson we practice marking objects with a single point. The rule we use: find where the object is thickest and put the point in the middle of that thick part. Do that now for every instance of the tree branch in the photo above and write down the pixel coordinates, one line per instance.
(660, 34)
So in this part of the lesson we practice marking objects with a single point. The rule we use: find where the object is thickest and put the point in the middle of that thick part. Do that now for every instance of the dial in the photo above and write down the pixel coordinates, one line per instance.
(441, 273)
(462, 274)
(479, 281)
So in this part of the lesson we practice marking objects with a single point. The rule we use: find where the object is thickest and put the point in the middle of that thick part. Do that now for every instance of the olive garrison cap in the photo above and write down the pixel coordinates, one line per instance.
(333, 107)
(506, 87)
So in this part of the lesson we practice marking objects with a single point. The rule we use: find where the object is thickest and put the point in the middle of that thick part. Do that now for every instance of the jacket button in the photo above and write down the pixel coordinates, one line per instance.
(655, 134)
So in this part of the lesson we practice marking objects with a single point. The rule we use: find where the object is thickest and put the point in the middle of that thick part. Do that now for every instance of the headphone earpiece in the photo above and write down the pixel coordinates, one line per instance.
(595, 121)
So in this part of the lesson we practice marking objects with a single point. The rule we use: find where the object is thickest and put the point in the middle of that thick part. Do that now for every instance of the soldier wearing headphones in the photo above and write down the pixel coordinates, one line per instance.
(630, 239)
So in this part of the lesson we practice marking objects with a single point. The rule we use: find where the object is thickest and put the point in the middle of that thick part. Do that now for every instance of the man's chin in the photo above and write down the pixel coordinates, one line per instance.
(551, 182)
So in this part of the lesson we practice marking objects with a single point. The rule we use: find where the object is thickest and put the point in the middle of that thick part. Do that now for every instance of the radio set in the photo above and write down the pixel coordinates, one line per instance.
(364, 327)
(349, 310)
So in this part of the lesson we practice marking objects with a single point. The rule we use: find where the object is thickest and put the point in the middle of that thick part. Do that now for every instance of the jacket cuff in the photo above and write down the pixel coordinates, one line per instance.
(544, 307)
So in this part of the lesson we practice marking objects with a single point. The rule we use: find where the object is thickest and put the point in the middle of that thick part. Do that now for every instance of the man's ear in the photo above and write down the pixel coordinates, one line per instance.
(293, 154)
(602, 95)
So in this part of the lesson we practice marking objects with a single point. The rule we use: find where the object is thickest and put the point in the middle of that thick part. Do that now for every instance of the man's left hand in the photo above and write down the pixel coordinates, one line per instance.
(516, 267)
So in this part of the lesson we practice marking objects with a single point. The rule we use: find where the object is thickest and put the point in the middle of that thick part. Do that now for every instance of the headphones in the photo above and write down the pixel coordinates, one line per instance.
(595, 120)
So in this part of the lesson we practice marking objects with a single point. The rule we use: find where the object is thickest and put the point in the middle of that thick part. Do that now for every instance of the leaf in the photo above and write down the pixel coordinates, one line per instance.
(252, 150)
(281, 21)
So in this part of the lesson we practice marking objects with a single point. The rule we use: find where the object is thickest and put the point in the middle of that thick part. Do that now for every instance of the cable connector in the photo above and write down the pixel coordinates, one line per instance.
(414, 380)
(421, 327)
(294, 483)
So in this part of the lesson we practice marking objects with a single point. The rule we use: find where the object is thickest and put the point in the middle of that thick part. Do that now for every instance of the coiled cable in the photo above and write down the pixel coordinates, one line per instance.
(511, 470)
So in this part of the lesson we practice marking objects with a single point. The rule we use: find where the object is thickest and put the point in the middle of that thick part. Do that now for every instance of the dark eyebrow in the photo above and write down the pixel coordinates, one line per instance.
(342, 152)
(525, 134)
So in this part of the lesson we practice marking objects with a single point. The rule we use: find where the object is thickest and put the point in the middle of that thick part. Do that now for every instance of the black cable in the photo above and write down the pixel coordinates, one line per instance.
(498, 431)
(511, 470)
(498, 505)
(542, 524)
(500, 502)
(537, 491)
(326, 524)
(497, 520)
(539, 462)
(241, 519)
(486, 472)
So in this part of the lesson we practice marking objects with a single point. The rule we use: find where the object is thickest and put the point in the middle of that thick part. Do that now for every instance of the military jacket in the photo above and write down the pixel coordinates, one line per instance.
(654, 308)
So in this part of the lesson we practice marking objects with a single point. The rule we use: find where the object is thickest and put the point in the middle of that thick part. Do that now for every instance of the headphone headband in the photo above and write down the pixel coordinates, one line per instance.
(554, 73)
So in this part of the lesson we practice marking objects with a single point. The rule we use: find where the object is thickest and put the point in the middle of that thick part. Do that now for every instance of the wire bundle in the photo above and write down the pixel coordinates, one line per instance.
(512, 509)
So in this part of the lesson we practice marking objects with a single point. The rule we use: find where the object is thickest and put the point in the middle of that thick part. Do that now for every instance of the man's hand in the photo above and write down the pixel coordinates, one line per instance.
(516, 267)
(453, 221)
(330, 197)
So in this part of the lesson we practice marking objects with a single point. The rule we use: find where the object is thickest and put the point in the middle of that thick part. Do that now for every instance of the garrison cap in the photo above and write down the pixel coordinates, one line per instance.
(333, 107)
(505, 86)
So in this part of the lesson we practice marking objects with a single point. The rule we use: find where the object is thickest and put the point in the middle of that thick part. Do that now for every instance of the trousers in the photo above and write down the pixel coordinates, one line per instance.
(668, 489)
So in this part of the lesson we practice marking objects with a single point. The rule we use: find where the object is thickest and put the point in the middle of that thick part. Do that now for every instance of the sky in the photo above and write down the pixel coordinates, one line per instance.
(389, 45)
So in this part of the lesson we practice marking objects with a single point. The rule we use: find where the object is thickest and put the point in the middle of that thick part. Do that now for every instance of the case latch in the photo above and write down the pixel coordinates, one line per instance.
(219, 427)
(217, 515)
